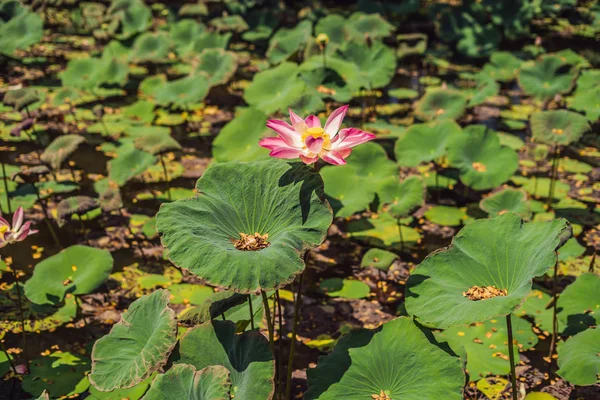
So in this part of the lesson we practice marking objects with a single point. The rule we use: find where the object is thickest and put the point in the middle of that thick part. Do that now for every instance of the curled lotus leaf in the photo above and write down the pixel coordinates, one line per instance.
(137, 346)
(258, 218)
(74, 205)
(20, 98)
(399, 360)
(156, 143)
(502, 253)
(60, 149)
(183, 381)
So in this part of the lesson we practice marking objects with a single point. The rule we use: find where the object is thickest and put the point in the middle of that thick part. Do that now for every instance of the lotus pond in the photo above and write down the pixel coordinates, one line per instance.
(320, 200)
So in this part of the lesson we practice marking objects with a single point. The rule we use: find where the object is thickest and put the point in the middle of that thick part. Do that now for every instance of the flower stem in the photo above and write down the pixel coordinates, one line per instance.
(251, 312)
(554, 311)
(21, 315)
(164, 166)
(297, 304)
(4, 178)
(511, 356)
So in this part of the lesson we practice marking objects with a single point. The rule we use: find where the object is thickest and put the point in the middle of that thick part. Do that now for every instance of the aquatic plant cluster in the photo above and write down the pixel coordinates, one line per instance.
(276, 200)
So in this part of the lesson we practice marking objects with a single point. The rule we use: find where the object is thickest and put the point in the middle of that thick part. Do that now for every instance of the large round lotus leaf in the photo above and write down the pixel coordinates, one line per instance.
(546, 78)
(77, 270)
(579, 304)
(137, 345)
(150, 47)
(60, 149)
(400, 198)
(275, 204)
(20, 98)
(345, 288)
(129, 163)
(485, 345)
(540, 187)
(483, 163)
(363, 66)
(561, 127)
(398, 360)
(183, 33)
(184, 382)
(210, 40)
(513, 200)
(362, 25)
(578, 359)
(382, 231)
(219, 65)
(368, 168)
(378, 258)
(275, 89)
(502, 252)
(286, 42)
(479, 40)
(81, 73)
(156, 143)
(133, 16)
(503, 66)
(233, 23)
(183, 92)
(440, 103)
(247, 357)
(20, 32)
(334, 26)
(60, 373)
(446, 215)
(237, 140)
(424, 142)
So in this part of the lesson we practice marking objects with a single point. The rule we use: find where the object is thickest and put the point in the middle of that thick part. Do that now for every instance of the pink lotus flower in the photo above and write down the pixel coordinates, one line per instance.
(19, 230)
(305, 139)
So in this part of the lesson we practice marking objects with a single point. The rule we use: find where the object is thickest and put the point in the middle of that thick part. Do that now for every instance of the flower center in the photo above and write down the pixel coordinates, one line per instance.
(476, 293)
(381, 396)
(317, 133)
(3, 229)
(251, 242)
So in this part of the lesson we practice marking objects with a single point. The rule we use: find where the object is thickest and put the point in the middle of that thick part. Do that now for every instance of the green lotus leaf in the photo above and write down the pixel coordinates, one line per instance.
(368, 168)
(90, 73)
(213, 306)
(382, 231)
(286, 42)
(424, 142)
(403, 93)
(446, 215)
(485, 345)
(482, 162)
(129, 163)
(345, 288)
(360, 25)
(262, 21)
(111, 199)
(578, 305)
(479, 40)
(539, 396)
(503, 252)
(503, 66)
(401, 198)
(137, 345)
(486, 87)
(184, 382)
(365, 364)
(540, 187)
(378, 258)
(77, 270)
(59, 373)
(219, 65)
(536, 306)
(441, 104)
(210, 40)
(507, 200)
(578, 359)
(546, 78)
(150, 47)
(247, 357)
(134, 393)
(334, 26)
(20, 98)
(279, 204)
(275, 89)
(131, 16)
(189, 293)
(585, 98)
(232, 23)
(156, 143)
(363, 66)
(21, 32)
(70, 206)
(560, 127)
(572, 249)
(183, 35)
(238, 139)
(183, 92)
(60, 149)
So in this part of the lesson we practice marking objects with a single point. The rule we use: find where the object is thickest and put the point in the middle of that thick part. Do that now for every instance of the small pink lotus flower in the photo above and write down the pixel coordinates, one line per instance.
(19, 230)
(305, 139)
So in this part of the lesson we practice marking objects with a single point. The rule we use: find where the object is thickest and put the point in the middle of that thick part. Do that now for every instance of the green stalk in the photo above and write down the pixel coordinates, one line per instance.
(280, 316)
(297, 304)
(80, 310)
(400, 233)
(554, 311)
(511, 356)
(251, 312)
(162, 161)
(21, 315)
(553, 177)
(269, 321)
(130, 233)
(47, 217)
(6, 188)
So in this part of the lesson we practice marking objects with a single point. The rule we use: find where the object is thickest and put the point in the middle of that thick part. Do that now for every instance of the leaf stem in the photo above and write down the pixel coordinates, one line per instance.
(554, 311)
(553, 177)
(511, 356)
(297, 304)
(400, 233)
(269, 321)
(251, 312)
(47, 217)
(21, 315)
(162, 161)
(6, 187)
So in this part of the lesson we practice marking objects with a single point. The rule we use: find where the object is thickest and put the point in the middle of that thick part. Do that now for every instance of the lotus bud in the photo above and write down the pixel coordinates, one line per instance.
(322, 40)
